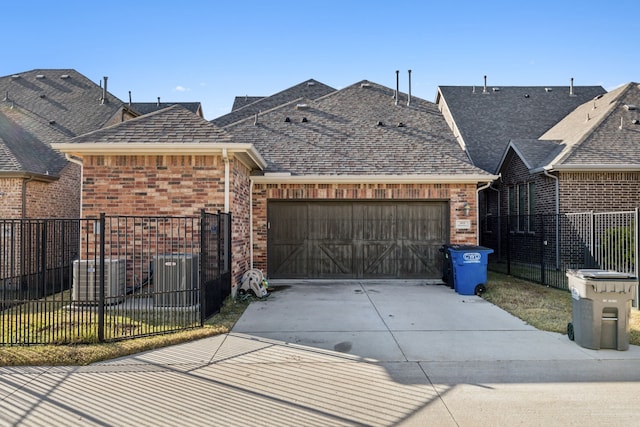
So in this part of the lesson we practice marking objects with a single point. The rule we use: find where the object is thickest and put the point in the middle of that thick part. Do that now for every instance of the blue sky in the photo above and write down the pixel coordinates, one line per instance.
(212, 51)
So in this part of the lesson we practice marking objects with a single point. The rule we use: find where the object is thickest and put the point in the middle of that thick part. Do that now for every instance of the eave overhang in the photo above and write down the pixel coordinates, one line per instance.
(247, 153)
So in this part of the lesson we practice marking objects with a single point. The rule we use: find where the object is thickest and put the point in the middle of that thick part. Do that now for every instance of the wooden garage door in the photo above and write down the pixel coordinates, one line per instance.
(356, 239)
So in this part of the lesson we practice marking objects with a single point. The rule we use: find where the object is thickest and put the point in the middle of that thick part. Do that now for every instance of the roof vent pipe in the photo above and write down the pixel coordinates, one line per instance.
(409, 97)
(158, 102)
(397, 86)
(484, 89)
(104, 90)
(129, 98)
(571, 88)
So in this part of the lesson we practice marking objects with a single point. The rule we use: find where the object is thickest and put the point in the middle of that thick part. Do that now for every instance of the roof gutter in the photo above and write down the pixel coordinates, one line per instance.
(589, 168)
(478, 190)
(227, 187)
(152, 148)
(278, 178)
(78, 162)
(25, 181)
(557, 197)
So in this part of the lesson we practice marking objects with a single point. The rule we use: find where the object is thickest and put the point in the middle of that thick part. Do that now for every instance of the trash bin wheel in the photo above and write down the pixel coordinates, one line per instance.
(480, 289)
(570, 332)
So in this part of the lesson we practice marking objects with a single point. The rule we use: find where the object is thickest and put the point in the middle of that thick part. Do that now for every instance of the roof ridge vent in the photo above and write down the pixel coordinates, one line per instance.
(40, 76)
(16, 76)
(302, 106)
(548, 89)
(311, 83)
(495, 89)
(365, 85)
(65, 76)
(630, 107)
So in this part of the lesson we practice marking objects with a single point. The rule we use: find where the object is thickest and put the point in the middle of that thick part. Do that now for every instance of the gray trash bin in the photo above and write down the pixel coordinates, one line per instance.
(601, 304)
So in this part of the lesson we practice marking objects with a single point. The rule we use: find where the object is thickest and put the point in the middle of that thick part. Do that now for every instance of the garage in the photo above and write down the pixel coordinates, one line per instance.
(356, 239)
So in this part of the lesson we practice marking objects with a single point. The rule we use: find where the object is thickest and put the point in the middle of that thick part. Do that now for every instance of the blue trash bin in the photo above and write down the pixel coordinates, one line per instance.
(469, 268)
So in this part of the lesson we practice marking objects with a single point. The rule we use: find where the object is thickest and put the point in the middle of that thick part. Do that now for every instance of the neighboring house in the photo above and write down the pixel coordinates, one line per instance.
(38, 108)
(485, 119)
(589, 161)
(357, 185)
(45, 106)
(349, 185)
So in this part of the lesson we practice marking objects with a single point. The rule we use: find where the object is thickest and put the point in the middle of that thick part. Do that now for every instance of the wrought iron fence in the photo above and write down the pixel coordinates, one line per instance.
(541, 248)
(110, 278)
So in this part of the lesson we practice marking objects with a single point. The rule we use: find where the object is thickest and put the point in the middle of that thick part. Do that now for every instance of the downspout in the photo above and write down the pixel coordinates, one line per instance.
(478, 190)
(557, 195)
(78, 162)
(225, 159)
(24, 195)
(251, 223)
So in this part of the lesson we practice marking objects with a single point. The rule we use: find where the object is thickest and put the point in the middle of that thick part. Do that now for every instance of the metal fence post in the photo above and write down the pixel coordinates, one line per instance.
(543, 244)
(201, 275)
(43, 260)
(101, 257)
(636, 255)
(509, 244)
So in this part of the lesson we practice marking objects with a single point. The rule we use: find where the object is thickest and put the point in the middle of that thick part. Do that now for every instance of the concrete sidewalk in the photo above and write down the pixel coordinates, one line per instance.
(347, 354)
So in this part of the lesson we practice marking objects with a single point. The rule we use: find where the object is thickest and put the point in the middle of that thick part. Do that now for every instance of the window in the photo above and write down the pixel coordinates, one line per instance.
(532, 205)
(522, 204)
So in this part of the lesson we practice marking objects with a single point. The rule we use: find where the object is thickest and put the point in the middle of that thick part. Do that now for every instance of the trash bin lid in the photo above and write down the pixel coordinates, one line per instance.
(591, 273)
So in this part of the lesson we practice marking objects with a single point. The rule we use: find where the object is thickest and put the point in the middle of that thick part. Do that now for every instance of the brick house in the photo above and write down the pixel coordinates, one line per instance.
(326, 183)
(45, 106)
(589, 161)
(358, 184)
(485, 119)
(37, 108)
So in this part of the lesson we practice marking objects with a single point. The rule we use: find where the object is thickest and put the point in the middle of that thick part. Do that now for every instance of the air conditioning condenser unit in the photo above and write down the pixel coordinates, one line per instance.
(176, 280)
(86, 281)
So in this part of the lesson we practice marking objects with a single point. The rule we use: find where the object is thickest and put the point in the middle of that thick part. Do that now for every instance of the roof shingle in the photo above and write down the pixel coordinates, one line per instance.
(357, 130)
(487, 121)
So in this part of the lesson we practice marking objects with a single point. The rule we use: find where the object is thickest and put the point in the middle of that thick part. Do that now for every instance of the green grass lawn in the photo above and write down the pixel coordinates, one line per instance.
(543, 307)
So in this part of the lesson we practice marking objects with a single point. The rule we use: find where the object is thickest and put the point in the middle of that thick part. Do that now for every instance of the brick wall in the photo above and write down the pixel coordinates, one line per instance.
(152, 185)
(515, 172)
(55, 199)
(240, 227)
(170, 186)
(599, 191)
(10, 198)
(456, 194)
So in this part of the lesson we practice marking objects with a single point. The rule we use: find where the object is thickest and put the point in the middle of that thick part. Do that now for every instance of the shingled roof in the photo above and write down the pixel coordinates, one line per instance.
(25, 145)
(604, 131)
(488, 119)
(150, 107)
(174, 125)
(310, 89)
(63, 97)
(356, 131)
(242, 101)
(172, 130)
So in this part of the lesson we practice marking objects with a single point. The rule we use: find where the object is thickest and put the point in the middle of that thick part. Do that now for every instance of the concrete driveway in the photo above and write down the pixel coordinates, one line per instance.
(344, 354)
